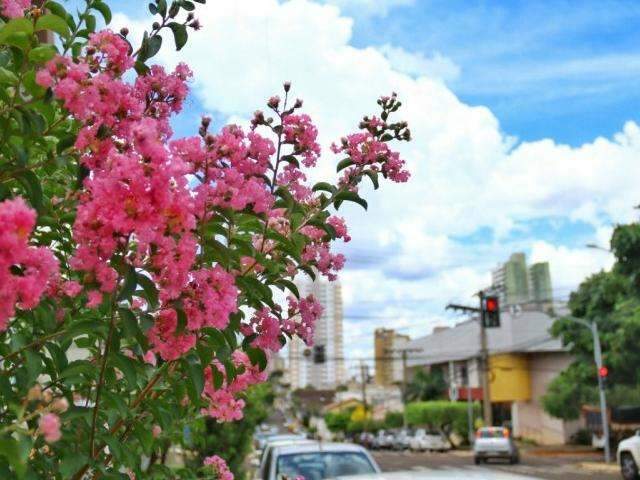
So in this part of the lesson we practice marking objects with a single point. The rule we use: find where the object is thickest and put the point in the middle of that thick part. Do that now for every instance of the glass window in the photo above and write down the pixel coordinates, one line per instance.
(320, 465)
(493, 433)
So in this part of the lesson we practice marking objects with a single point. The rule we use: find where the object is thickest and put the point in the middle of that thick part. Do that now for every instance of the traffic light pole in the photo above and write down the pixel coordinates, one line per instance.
(597, 356)
(484, 368)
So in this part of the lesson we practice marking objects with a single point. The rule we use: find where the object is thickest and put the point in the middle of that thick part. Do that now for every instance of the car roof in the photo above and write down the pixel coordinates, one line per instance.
(290, 441)
(319, 447)
(453, 474)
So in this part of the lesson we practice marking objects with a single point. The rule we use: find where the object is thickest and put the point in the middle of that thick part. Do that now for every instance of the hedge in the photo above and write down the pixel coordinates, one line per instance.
(442, 415)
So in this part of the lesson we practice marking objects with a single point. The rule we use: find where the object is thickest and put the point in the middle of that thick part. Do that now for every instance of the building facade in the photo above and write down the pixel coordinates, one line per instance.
(302, 371)
(518, 284)
(523, 359)
(388, 365)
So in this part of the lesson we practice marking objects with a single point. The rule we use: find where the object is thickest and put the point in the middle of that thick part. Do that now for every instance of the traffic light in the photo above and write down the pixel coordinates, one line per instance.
(491, 311)
(603, 373)
(319, 354)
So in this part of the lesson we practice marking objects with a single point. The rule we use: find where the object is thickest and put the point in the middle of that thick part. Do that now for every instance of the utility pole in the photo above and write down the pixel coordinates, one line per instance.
(484, 368)
(597, 357)
(484, 353)
(405, 375)
(469, 407)
(363, 379)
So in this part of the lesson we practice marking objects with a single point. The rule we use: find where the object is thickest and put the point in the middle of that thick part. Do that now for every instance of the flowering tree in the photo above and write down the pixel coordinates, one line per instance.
(137, 271)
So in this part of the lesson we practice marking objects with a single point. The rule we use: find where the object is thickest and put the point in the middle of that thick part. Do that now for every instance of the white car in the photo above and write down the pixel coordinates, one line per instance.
(259, 462)
(494, 442)
(318, 461)
(441, 474)
(383, 439)
(263, 441)
(629, 457)
(431, 441)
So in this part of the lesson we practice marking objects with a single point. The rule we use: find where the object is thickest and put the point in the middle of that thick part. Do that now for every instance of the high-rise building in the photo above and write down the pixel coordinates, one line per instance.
(303, 372)
(518, 284)
(540, 283)
(387, 343)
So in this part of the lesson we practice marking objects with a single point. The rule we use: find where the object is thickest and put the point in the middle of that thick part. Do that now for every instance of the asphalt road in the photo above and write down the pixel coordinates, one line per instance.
(460, 465)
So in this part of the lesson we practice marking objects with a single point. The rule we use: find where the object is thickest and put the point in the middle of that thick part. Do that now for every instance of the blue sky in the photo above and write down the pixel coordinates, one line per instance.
(524, 117)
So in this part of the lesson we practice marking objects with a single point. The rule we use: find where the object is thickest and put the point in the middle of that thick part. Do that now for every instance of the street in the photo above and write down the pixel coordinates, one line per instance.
(565, 467)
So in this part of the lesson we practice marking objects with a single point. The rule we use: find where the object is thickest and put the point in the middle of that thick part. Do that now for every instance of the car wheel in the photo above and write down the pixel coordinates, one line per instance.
(477, 460)
(628, 467)
(513, 460)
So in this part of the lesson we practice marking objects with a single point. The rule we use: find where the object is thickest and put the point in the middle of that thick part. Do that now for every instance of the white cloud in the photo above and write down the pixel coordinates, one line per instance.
(416, 64)
(467, 173)
(369, 7)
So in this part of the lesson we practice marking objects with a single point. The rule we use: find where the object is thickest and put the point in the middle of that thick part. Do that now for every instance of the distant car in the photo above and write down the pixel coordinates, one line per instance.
(366, 439)
(262, 441)
(629, 457)
(383, 439)
(494, 442)
(401, 440)
(428, 440)
(318, 461)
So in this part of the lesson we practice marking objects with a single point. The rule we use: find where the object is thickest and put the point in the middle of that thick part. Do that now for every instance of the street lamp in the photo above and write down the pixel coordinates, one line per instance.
(597, 354)
(595, 246)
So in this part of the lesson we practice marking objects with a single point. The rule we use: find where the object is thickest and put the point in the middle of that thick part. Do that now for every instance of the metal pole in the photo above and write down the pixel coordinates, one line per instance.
(469, 408)
(597, 352)
(484, 368)
(404, 388)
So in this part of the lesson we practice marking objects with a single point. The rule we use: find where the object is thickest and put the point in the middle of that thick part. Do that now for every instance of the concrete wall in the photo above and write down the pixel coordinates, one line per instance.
(529, 419)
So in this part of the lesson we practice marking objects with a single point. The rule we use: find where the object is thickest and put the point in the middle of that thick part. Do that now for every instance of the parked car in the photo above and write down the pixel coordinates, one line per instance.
(366, 439)
(383, 439)
(444, 474)
(428, 440)
(401, 440)
(494, 442)
(261, 442)
(259, 462)
(629, 457)
(318, 461)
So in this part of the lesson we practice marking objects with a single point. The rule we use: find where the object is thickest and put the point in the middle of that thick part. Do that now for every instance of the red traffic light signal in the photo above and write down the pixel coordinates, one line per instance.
(491, 304)
(603, 371)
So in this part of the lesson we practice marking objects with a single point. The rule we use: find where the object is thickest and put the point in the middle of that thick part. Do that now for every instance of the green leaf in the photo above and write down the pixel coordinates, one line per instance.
(150, 290)
(8, 77)
(195, 374)
(257, 357)
(162, 7)
(374, 178)
(90, 22)
(182, 320)
(290, 285)
(350, 197)
(31, 183)
(54, 23)
(79, 367)
(179, 34)
(324, 186)
(129, 286)
(344, 163)
(153, 46)
(126, 366)
(129, 322)
(42, 54)
(104, 10)
(17, 25)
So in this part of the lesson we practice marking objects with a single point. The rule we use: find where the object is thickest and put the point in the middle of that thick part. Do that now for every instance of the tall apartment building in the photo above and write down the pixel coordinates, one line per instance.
(303, 372)
(388, 365)
(518, 284)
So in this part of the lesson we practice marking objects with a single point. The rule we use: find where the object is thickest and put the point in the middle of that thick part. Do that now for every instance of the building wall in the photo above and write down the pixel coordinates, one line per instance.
(529, 418)
(328, 332)
(388, 364)
(540, 282)
(509, 377)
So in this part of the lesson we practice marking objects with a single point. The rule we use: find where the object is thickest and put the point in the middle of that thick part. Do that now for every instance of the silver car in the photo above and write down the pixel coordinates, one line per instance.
(318, 461)
(494, 442)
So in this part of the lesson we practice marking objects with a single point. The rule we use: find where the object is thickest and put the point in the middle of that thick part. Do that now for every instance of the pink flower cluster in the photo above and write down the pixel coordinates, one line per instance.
(220, 467)
(367, 151)
(302, 134)
(14, 8)
(49, 425)
(223, 404)
(303, 315)
(26, 272)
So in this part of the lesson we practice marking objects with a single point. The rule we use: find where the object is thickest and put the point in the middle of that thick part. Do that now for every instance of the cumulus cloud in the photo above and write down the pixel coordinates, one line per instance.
(416, 64)
(467, 172)
(369, 7)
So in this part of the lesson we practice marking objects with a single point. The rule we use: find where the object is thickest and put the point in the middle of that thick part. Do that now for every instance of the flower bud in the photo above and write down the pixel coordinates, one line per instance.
(298, 103)
(35, 393)
(155, 25)
(124, 31)
(287, 86)
(206, 121)
(274, 102)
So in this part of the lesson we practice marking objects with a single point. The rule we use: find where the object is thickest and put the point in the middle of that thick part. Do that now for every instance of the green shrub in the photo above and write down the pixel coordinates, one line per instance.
(446, 416)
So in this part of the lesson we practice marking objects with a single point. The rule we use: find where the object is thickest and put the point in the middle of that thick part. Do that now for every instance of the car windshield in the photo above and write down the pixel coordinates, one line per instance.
(492, 433)
(320, 465)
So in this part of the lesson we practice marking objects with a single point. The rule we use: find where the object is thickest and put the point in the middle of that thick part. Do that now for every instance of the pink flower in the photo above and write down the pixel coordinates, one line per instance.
(150, 358)
(71, 288)
(14, 8)
(49, 425)
(302, 133)
(219, 466)
(95, 299)
(26, 272)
